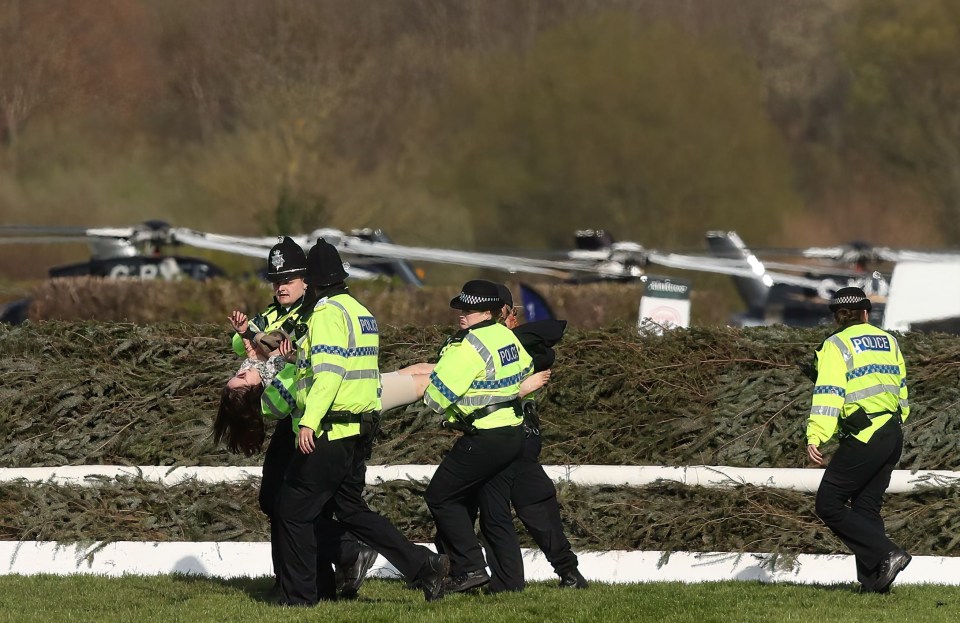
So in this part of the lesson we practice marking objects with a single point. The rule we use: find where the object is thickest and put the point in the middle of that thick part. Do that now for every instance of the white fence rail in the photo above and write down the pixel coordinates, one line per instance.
(794, 479)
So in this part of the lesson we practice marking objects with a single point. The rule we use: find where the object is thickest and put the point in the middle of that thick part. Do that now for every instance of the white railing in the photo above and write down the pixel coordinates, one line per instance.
(794, 479)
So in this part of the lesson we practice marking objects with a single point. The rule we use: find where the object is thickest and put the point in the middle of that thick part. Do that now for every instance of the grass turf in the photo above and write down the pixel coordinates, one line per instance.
(195, 599)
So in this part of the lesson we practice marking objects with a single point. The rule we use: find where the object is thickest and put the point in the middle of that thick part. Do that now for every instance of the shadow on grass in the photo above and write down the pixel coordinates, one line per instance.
(258, 589)
(262, 589)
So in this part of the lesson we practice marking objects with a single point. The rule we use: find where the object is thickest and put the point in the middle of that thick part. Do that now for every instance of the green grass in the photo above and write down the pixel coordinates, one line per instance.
(196, 599)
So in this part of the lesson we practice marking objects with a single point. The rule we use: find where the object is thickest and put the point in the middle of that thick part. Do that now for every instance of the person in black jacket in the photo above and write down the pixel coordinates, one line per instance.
(534, 496)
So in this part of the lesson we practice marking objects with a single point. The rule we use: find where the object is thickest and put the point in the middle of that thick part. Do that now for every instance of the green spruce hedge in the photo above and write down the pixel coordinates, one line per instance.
(668, 517)
(113, 393)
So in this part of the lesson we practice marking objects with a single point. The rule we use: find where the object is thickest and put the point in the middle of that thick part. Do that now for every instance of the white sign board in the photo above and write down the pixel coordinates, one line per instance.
(921, 291)
(665, 303)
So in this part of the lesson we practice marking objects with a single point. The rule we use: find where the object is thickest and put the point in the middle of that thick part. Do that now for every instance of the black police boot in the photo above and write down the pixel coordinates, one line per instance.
(432, 579)
(573, 579)
(466, 581)
(352, 577)
(895, 562)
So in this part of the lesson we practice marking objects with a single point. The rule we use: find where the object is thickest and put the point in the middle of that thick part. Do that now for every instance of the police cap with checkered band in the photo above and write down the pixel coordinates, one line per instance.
(850, 298)
(286, 261)
(477, 295)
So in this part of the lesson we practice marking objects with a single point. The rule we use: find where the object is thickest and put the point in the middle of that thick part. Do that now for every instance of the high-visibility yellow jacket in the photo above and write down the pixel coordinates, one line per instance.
(483, 368)
(279, 398)
(859, 366)
(337, 365)
(273, 317)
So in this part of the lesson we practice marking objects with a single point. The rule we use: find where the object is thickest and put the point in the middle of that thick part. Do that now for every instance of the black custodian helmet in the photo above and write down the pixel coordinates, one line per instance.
(286, 261)
(324, 265)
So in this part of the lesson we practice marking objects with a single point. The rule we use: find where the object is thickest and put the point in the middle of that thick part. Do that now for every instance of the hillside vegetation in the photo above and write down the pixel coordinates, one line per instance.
(483, 123)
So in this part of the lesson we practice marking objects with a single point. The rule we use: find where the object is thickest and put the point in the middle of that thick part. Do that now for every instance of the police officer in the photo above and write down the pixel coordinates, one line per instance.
(476, 385)
(860, 391)
(286, 267)
(533, 494)
(337, 389)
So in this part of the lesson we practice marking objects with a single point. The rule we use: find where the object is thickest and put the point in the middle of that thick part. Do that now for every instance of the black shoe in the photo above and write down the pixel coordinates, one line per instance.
(466, 581)
(895, 562)
(354, 575)
(573, 579)
(432, 579)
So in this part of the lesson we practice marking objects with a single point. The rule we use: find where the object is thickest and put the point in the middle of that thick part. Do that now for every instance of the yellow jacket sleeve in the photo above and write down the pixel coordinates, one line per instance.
(458, 367)
(279, 397)
(328, 341)
(904, 395)
(238, 345)
(829, 395)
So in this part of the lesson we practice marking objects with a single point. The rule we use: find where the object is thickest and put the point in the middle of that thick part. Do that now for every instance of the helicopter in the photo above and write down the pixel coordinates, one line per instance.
(898, 282)
(773, 291)
(142, 252)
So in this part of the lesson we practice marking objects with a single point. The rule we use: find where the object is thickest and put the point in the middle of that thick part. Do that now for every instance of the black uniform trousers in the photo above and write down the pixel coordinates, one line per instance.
(275, 461)
(859, 473)
(534, 498)
(332, 476)
(343, 551)
(479, 469)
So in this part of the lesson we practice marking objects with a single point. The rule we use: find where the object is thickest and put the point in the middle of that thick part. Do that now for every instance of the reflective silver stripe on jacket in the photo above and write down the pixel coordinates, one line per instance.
(485, 354)
(844, 351)
(828, 411)
(305, 383)
(904, 403)
(431, 402)
(352, 375)
(874, 390)
(351, 336)
(355, 375)
(273, 408)
(329, 367)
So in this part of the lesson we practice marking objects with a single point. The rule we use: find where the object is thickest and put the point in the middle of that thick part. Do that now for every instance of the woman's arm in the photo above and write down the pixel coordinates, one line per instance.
(418, 368)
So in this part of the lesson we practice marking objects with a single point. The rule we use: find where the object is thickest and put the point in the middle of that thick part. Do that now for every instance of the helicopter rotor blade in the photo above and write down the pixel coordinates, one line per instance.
(734, 268)
(43, 239)
(239, 245)
(507, 263)
(40, 234)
